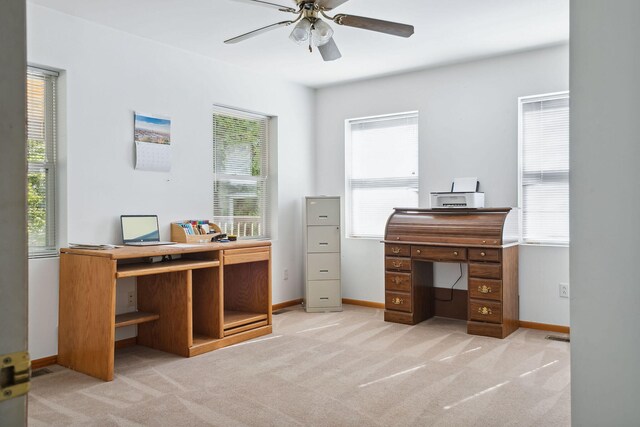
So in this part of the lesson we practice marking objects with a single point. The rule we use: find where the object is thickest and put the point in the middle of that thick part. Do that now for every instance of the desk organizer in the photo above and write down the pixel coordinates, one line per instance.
(181, 232)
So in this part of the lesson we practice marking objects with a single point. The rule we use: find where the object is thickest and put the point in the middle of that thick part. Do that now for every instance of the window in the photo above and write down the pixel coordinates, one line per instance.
(544, 168)
(240, 162)
(41, 158)
(381, 170)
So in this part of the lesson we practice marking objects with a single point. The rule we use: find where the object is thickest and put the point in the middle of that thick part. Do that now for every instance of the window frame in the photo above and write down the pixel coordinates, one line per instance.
(49, 166)
(264, 179)
(521, 218)
(348, 164)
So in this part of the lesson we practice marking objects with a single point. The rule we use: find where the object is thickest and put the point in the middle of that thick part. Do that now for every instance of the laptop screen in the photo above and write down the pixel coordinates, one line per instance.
(140, 228)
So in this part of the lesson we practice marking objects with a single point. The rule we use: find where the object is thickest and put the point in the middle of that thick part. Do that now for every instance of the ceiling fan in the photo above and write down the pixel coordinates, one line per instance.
(311, 29)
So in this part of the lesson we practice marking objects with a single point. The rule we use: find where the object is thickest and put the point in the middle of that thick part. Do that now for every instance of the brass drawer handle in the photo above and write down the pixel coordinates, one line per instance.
(395, 250)
(396, 280)
(455, 253)
(397, 301)
(482, 254)
(484, 289)
(418, 251)
(485, 311)
(396, 264)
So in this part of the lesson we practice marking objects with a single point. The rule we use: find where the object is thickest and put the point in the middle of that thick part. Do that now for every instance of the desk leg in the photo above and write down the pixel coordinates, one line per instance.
(86, 322)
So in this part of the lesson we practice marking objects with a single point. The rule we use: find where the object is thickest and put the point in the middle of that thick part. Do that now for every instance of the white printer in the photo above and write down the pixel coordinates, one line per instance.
(464, 194)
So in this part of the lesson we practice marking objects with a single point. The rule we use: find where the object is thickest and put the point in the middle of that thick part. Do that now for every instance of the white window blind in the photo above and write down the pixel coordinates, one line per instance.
(41, 159)
(381, 171)
(544, 168)
(241, 173)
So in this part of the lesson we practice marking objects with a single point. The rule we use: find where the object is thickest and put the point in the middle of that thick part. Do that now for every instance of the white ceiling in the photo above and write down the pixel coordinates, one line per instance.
(445, 31)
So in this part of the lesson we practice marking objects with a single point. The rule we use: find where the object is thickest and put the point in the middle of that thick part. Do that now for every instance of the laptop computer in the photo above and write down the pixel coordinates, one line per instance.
(141, 230)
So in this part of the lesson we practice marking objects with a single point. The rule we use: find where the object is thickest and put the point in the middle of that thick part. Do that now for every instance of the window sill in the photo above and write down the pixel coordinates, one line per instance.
(546, 245)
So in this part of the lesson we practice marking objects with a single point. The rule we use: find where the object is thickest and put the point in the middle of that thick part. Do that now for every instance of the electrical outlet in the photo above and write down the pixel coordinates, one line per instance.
(131, 299)
(564, 290)
(285, 275)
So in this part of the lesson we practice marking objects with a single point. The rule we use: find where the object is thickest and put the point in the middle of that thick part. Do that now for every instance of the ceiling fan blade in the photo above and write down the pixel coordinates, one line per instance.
(329, 4)
(269, 4)
(257, 32)
(330, 51)
(387, 27)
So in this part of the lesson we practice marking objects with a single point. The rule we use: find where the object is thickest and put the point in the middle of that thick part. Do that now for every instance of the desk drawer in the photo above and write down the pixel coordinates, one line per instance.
(397, 250)
(391, 263)
(485, 289)
(244, 255)
(485, 311)
(398, 301)
(487, 255)
(397, 282)
(485, 271)
(435, 253)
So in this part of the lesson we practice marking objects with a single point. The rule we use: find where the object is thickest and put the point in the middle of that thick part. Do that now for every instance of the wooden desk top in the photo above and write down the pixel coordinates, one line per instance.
(153, 251)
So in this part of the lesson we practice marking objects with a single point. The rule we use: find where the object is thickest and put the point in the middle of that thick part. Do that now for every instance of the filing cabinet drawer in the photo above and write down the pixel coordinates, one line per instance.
(485, 289)
(392, 263)
(397, 282)
(397, 250)
(489, 255)
(323, 266)
(485, 311)
(323, 238)
(435, 253)
(398, 301)
(323, 293)
(485, 271)
(323, 212)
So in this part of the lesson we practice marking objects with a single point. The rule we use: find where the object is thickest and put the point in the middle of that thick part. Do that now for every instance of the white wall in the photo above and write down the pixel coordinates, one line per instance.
(605, 213)
(467, 127)
(107, 75)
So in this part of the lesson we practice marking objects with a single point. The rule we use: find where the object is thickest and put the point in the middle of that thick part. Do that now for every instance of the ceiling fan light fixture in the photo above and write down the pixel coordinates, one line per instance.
(321, 32)
(301, 31)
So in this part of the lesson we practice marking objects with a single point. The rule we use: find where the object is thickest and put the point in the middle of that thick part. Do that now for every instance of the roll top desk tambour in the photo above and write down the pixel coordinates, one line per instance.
(416, 238)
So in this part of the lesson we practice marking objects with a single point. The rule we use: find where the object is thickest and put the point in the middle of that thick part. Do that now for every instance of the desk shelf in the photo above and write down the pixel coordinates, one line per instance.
(128, 319)
(135, 270)
(240, 321)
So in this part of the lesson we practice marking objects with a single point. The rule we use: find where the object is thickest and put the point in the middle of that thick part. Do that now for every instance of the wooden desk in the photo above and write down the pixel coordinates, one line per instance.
(416, 238)
(214, 295)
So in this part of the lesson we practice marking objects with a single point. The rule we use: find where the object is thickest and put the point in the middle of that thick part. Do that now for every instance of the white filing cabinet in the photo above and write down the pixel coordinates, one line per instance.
(322, 258)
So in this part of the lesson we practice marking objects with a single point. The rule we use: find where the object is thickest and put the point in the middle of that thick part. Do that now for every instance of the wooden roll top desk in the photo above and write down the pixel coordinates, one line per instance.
(210, 295)
(416, 238)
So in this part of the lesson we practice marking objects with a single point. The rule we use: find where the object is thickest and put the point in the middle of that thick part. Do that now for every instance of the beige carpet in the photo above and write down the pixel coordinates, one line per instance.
(326, 369)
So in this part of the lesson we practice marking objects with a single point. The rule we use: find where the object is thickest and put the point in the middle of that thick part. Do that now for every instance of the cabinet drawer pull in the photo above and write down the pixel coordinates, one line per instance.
(397, 301)
(396, 280)
(395, 250)
(455, 253)
(484, 289)
(485, 311)
(482, 254)
(396, 264)
(418, 252)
